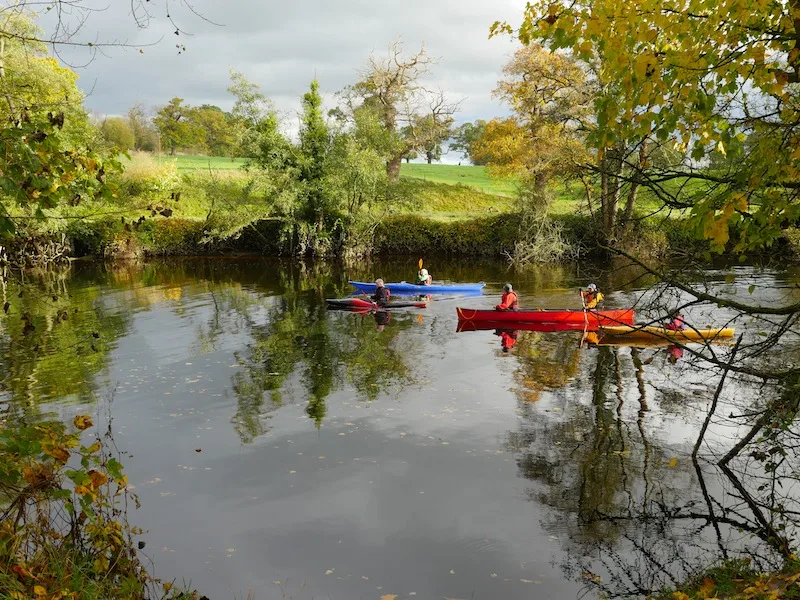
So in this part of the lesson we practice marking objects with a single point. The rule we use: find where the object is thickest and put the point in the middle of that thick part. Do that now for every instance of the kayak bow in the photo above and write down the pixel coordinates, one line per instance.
(412, 289)
(589, 318)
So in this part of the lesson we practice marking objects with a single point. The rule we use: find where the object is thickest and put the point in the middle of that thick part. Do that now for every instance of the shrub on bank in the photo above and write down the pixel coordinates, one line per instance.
(415, 235)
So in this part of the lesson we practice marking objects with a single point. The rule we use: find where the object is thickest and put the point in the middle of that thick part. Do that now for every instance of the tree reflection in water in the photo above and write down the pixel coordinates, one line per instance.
(632, 509)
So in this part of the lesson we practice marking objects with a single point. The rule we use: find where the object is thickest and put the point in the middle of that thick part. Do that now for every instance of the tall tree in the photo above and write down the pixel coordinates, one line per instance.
(465, 136)
(118, 132)
(175, 126)
(215, 130)
(46, 159)
(698, 77)
(314, 147)
(391, 85)
(145, 135)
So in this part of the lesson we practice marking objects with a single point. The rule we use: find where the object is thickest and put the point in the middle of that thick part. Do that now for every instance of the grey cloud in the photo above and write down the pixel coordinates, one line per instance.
(282, 45)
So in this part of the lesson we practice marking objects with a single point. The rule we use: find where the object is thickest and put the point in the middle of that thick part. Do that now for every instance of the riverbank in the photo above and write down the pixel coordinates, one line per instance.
(172, 207)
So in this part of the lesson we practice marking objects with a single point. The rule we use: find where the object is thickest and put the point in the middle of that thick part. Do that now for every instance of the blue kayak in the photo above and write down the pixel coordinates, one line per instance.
(411, 289)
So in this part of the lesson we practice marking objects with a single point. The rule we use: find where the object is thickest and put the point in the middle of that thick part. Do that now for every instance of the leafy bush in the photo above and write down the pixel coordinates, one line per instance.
(63, 531)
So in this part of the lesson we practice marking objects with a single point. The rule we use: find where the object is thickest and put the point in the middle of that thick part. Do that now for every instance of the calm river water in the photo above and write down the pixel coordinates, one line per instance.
(283, 448)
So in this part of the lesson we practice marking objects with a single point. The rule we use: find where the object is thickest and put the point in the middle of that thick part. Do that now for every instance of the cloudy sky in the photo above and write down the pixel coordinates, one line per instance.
(282, 45)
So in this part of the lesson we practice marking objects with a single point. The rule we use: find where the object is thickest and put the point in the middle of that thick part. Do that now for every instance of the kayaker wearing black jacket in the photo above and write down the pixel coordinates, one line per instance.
(381, 295)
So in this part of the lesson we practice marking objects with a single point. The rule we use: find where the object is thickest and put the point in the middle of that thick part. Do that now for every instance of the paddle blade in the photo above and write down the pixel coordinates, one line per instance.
(420, 263)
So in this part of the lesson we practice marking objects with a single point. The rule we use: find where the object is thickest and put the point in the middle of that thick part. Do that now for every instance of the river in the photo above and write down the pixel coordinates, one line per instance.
(283, 448)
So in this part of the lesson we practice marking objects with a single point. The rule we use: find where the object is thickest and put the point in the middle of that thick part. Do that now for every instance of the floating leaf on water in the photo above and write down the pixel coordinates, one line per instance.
(329, 571)
(82, 422)
(389, 597)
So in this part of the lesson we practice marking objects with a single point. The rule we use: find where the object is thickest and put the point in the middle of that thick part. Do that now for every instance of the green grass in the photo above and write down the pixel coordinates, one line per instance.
(187, 164)
(469, 175)
(440, 192)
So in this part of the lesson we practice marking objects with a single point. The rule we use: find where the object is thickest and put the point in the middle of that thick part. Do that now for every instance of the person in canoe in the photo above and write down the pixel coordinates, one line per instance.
(677, 323)
(424, 278)
(509, 301)
(591, 297)
(381, 295)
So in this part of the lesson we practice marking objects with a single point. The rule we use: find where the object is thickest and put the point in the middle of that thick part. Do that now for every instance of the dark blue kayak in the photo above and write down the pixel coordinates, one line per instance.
(411, 289)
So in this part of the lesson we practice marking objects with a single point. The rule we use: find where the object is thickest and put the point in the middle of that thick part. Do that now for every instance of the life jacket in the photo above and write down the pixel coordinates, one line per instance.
(677, 324)
(381, 295)
(591, 299)
(509, 301)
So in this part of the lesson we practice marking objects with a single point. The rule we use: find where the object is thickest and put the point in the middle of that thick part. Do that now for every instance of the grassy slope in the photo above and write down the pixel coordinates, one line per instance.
(441, 192)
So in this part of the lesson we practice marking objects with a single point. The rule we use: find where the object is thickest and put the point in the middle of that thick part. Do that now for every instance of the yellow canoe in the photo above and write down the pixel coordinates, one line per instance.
(654, 332)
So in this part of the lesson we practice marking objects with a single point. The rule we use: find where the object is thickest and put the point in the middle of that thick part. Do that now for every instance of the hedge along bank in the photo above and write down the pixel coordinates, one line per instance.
(397, 235)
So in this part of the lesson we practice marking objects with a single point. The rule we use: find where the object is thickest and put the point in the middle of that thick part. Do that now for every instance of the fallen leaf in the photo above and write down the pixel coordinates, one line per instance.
(389, 597)
(673, 463)
(707, 589)
(39, 590)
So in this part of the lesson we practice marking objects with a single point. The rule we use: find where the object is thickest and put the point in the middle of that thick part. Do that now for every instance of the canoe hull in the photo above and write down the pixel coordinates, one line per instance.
(473, 325)
(589, 318)
(359, 304)
(661, 333)
(410, 289)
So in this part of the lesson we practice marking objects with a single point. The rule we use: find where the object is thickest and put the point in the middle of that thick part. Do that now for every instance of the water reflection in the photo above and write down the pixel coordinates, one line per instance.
(583, 443)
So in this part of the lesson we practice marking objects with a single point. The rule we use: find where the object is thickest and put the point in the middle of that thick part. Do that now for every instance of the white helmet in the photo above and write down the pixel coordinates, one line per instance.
(592, 287)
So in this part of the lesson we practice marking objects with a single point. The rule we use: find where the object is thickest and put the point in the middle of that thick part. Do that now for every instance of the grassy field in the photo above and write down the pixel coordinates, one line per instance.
(474, 177)
(187, 164)
(441, 192)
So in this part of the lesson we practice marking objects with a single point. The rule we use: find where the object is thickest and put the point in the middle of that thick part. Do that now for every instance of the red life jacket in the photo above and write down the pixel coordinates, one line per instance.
(509, 301)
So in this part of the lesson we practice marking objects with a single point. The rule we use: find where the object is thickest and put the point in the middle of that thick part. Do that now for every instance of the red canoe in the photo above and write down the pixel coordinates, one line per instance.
(592, 318)
(519, 326)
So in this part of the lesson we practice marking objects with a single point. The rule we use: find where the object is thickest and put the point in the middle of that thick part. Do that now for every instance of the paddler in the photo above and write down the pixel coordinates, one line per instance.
(424, 278)
(677, 323)
(592, 296)
(381, 295)
(509, 301)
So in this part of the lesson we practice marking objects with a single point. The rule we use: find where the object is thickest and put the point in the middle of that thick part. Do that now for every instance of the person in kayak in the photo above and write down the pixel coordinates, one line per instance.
(381, 295)
(677, 323)
(592, 296)
(509, 301)
(424, 278)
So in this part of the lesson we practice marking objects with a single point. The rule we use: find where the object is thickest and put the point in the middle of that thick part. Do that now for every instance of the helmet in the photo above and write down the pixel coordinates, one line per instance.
(379, 282)
(507, 287)
(423, 273)
(592, 287)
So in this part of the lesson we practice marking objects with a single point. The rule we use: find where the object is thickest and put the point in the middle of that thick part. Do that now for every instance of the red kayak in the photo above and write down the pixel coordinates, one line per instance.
(360, 304)
(592, 318)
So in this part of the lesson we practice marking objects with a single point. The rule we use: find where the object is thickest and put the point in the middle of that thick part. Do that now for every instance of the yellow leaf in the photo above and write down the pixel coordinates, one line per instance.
(389, 597)
(673, 463)
(167, 586)
(679, 596)
(39, 590)
(97, 478)
(60, 454)
(707, 589)
(82, 422)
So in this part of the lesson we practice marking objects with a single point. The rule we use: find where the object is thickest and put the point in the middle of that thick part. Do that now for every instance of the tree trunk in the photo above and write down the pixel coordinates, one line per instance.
(611, 166)
(429, 156)
(172, 150)
(393, 168)
(630, 204)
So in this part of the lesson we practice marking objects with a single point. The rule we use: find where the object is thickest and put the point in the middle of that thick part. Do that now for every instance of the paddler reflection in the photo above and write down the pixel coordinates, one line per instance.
(382, 318)
(508, 338)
